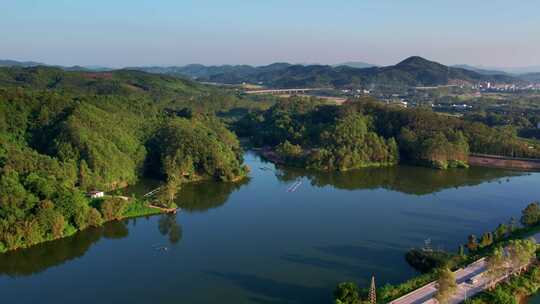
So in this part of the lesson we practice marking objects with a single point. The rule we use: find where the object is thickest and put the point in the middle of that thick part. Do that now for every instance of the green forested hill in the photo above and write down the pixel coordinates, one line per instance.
(64, 133)
(98, 122)
(119, 82)
(166, 91)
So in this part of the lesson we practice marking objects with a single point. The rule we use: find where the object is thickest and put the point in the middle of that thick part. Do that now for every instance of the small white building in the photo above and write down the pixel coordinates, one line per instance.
(96, 194)
(538, 125)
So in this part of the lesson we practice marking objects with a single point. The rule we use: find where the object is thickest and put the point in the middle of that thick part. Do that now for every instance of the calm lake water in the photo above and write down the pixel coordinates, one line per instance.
(257, 242)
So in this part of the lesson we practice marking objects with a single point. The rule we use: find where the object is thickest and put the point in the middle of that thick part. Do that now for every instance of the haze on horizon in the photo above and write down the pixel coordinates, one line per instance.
(166, 32)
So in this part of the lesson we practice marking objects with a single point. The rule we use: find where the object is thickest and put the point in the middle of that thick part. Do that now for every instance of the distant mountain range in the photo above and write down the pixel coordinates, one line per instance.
(28, 64)
(500, 70)
(479, 70)
(529, 74)
(531, 77)
(515, 70)
(25, 64)
(413, 71)
(356, 64)
(225, 73)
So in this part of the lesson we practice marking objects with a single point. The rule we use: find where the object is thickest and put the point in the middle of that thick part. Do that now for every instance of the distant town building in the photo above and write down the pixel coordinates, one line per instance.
(96, 194)
(538, 125)
(403, 103)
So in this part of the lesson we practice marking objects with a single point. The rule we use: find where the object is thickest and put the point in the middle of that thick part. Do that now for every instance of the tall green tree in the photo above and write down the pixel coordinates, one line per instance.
(531, 214)
(446, 286)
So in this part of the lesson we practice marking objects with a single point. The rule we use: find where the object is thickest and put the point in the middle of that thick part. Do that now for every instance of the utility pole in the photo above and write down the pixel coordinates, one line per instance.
(372, 292)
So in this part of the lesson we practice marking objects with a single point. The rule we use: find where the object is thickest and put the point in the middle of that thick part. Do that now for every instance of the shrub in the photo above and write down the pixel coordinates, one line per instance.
(94, 218)
(531, 214)
(31, 232)
(347, 293)
(58, 224)
(427, 260)
(11, 240)
(113, 209)
(81, 218)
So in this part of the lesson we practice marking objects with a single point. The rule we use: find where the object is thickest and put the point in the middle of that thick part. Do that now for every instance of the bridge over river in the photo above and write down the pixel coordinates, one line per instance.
(285, 91)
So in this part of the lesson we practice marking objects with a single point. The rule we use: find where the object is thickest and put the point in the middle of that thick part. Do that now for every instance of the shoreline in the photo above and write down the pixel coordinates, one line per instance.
(149, 212)
(474, 159)
(141, 211)
(270, 154)
(504, 162)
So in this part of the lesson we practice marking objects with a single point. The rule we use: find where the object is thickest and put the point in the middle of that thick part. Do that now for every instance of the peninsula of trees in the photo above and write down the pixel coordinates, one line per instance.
(364, 133)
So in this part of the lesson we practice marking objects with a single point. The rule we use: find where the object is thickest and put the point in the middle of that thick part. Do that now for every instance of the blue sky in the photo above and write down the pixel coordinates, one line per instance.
(166, 32)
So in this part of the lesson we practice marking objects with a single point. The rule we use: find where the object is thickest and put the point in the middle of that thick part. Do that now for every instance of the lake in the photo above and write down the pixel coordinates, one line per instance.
(283, 236)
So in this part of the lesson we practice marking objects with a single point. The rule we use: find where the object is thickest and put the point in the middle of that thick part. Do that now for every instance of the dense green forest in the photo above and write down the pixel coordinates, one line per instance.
(364, 132)
(65, 133)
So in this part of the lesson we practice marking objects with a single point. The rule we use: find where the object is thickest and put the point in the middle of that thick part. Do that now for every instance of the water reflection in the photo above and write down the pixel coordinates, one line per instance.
(195, 197)
(205, 195)
(270, 291)
(168, 226)
(192, 197)
(40, 257)
(406, 179)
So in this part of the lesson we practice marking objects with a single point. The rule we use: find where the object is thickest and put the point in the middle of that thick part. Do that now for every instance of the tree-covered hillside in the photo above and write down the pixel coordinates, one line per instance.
(167, 91)
(65, 133)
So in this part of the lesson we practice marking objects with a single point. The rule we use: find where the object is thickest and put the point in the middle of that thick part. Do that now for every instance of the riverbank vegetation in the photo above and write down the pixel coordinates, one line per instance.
(513, 291)
(520, 251)
(363, 132)
(517, 263)
(426, 259)
(63, 134)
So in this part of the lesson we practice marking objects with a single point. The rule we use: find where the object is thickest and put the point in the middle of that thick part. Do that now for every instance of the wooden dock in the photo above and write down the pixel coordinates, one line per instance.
(152, 192)
(165, 210)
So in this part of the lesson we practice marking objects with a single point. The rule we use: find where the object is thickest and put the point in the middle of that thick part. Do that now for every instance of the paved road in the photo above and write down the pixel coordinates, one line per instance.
(426, 294)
